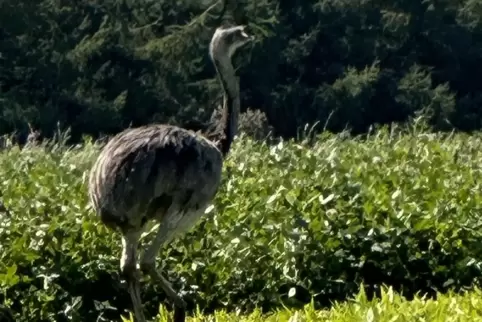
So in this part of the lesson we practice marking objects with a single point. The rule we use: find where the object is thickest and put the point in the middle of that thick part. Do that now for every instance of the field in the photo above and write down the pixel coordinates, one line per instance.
(293, 223)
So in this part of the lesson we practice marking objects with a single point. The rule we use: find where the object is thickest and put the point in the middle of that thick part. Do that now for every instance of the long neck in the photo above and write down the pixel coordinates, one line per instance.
(228, 124)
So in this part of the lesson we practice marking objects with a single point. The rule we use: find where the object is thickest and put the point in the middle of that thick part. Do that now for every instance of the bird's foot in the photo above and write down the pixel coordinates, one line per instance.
(179, 314)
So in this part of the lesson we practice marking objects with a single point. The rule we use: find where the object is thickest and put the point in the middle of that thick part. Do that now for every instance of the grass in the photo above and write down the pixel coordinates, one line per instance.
(390, 307)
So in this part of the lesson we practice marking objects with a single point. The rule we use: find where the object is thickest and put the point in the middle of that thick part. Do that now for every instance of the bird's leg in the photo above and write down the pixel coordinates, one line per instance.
(129, 270)
(180, 305)
(135, 293)
(148, 265)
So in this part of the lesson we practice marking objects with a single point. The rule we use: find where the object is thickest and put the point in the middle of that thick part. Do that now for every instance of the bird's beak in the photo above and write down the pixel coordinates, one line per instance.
(246, 36)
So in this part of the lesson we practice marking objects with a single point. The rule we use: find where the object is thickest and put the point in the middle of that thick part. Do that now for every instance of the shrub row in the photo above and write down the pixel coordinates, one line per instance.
(291, 222)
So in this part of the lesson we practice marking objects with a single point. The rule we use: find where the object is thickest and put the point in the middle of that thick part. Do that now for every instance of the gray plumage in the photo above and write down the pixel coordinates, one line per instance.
(157, 169)
(166, 174)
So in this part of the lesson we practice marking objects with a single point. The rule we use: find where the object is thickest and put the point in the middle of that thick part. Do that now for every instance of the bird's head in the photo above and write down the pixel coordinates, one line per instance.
(226, 40)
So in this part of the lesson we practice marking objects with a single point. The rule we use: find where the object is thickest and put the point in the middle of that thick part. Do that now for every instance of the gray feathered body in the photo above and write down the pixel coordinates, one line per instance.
(156, 172)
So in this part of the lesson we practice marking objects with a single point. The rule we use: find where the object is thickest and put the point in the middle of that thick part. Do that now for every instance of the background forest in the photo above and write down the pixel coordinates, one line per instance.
(101, 66)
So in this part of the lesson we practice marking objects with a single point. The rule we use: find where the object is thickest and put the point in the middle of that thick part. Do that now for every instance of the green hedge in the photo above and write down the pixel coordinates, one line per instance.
(291, 222)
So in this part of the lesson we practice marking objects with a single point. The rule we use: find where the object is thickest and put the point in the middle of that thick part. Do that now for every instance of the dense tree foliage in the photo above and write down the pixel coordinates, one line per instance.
(100, 66)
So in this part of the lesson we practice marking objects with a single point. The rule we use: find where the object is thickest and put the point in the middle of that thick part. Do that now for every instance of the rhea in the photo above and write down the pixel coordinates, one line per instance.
(167, 175)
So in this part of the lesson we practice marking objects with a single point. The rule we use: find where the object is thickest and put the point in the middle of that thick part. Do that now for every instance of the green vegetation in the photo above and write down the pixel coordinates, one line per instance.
(293, 222)
(391, 307)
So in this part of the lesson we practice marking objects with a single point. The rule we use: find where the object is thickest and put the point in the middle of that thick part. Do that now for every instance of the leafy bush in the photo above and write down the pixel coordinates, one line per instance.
(252, 123)
(291, 222)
